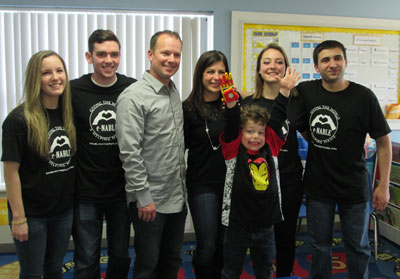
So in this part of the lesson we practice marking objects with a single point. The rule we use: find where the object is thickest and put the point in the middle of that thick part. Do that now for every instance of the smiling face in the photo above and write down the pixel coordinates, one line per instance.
(331, 65)
(165, 58)
(253, 135)
(53, 78)
(211, 75)
(105, 58)
(272, 65)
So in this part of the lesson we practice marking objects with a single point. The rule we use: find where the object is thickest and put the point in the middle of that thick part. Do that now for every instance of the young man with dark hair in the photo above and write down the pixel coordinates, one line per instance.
(100, 179)
(150, 138)
(337, 114)
(329, 44)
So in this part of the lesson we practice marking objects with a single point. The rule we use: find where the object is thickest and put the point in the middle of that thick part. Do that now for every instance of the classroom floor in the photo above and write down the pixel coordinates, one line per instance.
(387, 266)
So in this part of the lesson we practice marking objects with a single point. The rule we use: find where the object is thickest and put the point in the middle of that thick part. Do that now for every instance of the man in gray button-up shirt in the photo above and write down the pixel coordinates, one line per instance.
(150, 137)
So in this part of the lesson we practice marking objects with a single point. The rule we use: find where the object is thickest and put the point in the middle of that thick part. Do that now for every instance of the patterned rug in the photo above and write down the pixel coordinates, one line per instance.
(388, 265)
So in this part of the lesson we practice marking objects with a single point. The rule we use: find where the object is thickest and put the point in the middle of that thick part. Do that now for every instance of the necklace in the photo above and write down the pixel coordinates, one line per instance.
(208, 135)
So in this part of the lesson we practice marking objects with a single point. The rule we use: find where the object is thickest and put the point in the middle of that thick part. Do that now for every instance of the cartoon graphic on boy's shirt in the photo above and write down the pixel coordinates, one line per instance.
(259, 173)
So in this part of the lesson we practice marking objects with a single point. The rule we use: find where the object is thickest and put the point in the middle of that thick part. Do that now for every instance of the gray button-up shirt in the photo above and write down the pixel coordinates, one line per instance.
(149, 130)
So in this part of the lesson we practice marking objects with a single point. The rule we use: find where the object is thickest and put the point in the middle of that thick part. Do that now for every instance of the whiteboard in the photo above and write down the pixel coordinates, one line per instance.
(372, 47)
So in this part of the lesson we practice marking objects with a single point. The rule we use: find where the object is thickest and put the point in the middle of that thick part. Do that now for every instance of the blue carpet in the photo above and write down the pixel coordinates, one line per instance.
(388, 265)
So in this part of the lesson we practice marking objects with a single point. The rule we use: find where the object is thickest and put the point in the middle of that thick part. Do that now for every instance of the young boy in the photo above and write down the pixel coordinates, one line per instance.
(251, 204)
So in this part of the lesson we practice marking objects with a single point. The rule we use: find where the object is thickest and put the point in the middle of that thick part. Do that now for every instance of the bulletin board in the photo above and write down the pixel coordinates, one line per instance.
(372, 47)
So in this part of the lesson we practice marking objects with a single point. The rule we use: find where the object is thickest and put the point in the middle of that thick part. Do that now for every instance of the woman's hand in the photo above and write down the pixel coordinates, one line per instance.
(288, 81)
(20, 231)
(19, 225)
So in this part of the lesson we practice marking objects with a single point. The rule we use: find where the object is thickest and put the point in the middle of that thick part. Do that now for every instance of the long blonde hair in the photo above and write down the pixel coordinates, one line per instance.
(36, 114)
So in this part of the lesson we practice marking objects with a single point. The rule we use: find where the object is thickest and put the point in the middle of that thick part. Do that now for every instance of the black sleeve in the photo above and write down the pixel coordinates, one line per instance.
(299, 111)
(186, 126)
(279, 114)
(232, 117)
(247, 101)
(14, 139)
(378, 124)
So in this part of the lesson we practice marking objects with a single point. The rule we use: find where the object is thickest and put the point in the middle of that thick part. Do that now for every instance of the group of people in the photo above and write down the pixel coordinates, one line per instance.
(61, 165)
(108, 147)
(230, 151)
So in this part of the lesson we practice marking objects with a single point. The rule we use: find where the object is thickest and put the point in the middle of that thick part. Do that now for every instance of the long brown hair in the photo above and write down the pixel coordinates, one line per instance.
(195, 101)
(34, 111)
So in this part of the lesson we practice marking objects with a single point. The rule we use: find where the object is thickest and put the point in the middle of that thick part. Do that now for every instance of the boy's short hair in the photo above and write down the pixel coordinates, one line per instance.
(101, 35)
(254, 113)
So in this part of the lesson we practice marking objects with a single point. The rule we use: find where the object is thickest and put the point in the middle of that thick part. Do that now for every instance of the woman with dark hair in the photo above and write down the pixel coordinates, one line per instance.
(38, 144)
(271, 64)
(205, 175)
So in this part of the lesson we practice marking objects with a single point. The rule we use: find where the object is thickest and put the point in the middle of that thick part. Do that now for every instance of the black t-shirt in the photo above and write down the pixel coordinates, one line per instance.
(337, 124)
(100, 177)
(252, 198)
(47, 184)
(290, 167)
(205, 167)
(253, 207)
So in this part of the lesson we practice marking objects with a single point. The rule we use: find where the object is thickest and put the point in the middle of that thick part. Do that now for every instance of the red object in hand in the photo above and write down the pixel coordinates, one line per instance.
(228, 88)
(230, 95)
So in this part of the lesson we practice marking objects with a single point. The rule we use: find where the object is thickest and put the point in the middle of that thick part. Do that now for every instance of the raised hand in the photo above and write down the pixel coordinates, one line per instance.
(228, 88)
(288, 81)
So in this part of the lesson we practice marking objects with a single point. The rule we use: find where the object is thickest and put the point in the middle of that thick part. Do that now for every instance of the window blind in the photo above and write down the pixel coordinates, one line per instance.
(24, 32)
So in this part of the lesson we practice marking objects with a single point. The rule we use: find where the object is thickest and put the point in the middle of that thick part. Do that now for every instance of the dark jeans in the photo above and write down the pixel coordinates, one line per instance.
(236, 243)
(87, 231)
(206, 215)
(285, 232)
(158, 244)
(354, 220)
(44, 252)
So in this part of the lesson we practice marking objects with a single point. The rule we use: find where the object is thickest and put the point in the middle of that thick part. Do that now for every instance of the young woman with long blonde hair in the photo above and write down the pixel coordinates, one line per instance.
(38, 146)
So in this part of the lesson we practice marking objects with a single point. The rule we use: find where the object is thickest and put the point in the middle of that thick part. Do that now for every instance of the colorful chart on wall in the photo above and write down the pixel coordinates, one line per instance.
(372, 55)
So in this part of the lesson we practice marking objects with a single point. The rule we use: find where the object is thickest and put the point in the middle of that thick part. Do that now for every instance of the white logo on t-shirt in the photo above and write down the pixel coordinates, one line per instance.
(324, 123)
(102, 121)
(60, 148)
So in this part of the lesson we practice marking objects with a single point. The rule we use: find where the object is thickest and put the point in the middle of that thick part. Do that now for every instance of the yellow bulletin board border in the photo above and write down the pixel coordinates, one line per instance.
(313, 29)
(241, 21)
(3, 212)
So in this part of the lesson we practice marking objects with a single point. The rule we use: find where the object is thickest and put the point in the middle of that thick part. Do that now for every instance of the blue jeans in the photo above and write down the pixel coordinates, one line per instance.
(87, 231)
(354, 222)
(158, 244)
(261, 246)
(206, 215)
(44, 252)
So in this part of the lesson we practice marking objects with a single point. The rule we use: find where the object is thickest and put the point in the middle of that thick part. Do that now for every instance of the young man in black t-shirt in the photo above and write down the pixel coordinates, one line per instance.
(337, 115)
(100, 179)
